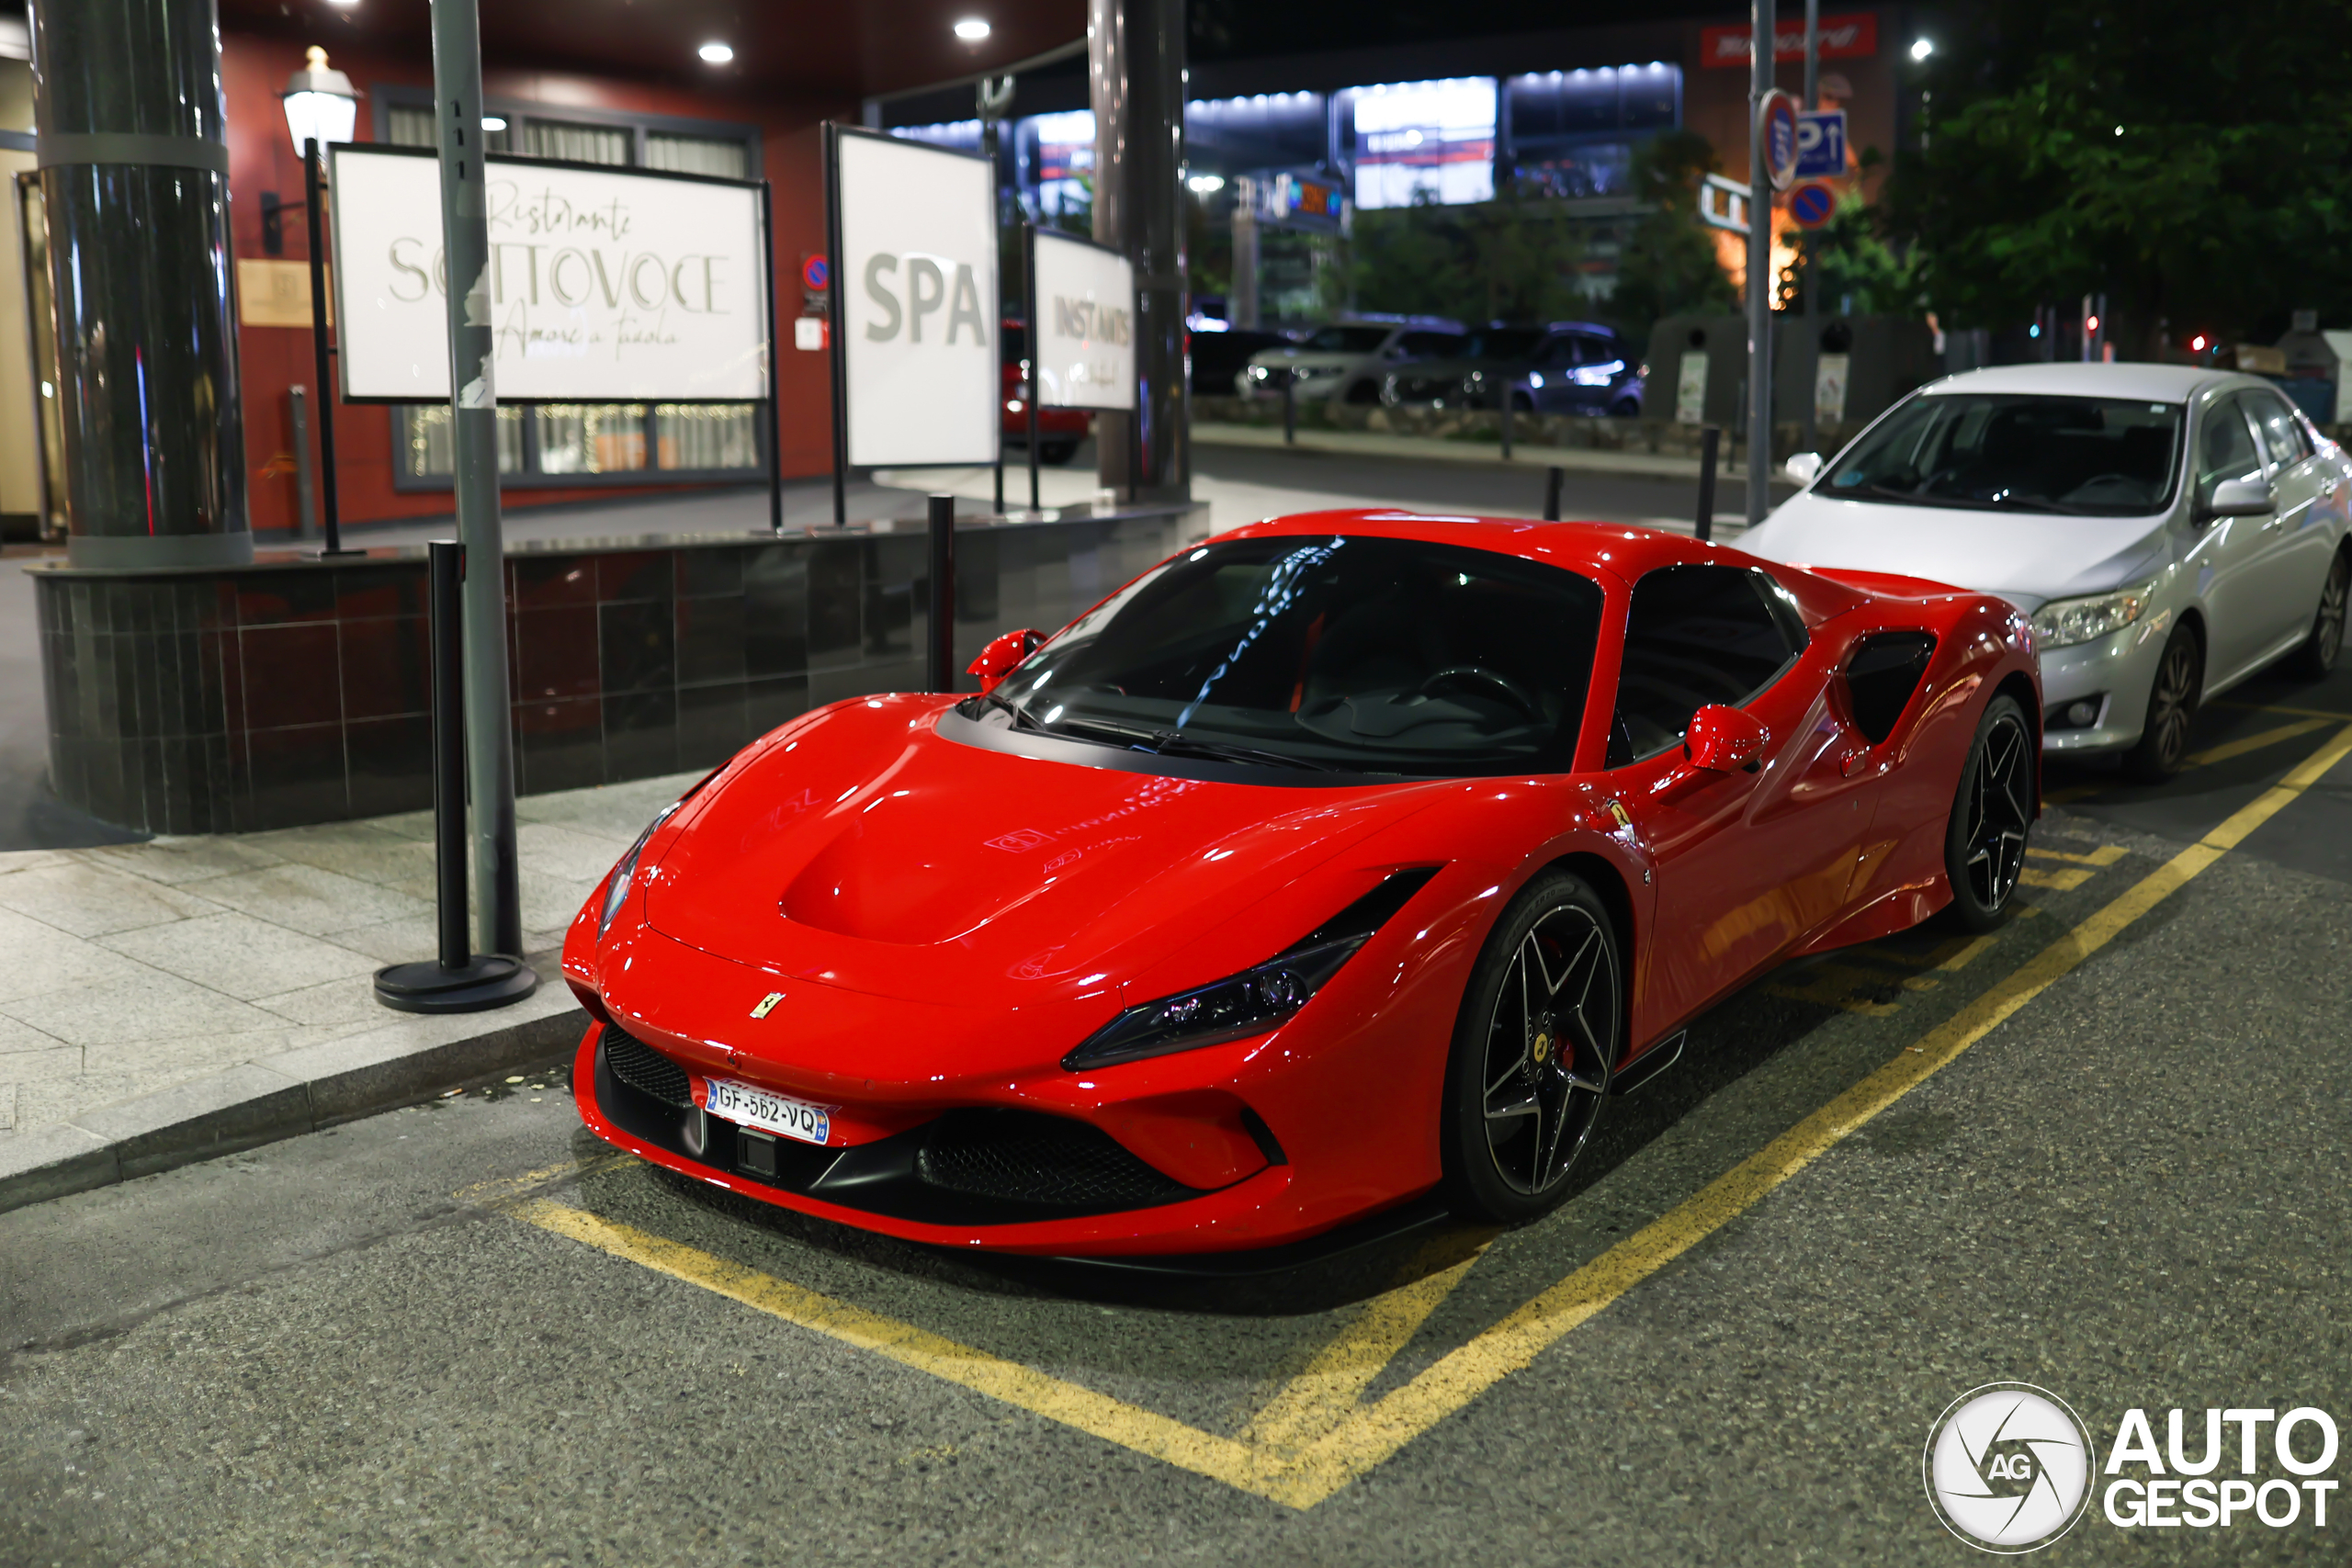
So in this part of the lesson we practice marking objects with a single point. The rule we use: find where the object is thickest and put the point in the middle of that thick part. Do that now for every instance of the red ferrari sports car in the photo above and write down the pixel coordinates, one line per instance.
(1341, 860)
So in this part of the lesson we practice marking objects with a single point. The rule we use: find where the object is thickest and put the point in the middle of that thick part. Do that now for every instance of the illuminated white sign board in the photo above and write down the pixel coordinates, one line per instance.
(606, 285)
(1425, 141)
(917, 284)
(1083, 334)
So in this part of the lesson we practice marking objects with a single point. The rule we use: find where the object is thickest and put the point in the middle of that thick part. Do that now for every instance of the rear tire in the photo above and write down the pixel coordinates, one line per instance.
(1991, 817)
(1539, 1031)
(2172, 709)
(2316, 659)
(1054, 454)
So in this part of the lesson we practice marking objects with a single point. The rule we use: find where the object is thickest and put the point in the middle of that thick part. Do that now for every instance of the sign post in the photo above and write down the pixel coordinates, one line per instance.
(1765, 130)
(917, 374)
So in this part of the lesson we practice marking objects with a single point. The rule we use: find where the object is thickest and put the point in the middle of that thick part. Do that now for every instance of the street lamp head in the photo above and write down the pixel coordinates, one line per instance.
(1923, 48)
(322, 105)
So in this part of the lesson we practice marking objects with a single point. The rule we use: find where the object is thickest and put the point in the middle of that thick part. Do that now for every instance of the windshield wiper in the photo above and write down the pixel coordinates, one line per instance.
(1021, 718)
(1167, 742)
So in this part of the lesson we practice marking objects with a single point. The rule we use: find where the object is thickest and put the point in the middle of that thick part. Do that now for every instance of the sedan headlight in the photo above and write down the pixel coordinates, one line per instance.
(2063, 623)
(1597, 375)
(617, 886)
(1255, 1000)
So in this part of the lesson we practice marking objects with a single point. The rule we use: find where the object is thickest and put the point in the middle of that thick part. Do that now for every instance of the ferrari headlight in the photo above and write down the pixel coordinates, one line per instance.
(617, 886)
(1255, 1000)
(2063, 623)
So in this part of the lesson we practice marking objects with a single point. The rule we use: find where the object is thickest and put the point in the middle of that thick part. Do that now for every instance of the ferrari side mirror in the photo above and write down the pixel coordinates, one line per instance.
(1003, 654)
(1723, 740)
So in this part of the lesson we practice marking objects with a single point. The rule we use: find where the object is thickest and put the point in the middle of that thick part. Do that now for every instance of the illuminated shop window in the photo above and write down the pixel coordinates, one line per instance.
(705, 436)
(591, 438)
(428, 450)
(1425, 142)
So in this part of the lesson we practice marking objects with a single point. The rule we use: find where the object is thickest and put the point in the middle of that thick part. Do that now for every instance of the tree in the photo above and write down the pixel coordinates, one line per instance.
(2193, 162)
(1512, 259)
(1858, 268)
(1669, 266)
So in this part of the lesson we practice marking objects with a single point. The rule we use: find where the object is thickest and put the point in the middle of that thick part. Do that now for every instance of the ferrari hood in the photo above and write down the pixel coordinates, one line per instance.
(2027, 557)
(867, 851)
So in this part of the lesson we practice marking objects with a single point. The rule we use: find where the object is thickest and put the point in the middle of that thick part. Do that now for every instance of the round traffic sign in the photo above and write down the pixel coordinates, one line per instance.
(815, 273)
(1776, 123)
(1811, 204)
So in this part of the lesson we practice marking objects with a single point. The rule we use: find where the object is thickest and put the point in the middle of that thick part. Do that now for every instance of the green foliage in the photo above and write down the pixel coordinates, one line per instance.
(1669, 266)
(2223, 201)
(1858, 265)
(1512, 259)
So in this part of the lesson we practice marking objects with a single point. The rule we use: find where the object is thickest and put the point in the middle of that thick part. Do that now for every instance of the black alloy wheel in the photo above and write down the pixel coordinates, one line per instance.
(2172, 706)
(1991, 817)
(1541, 1028)
(2317, 656)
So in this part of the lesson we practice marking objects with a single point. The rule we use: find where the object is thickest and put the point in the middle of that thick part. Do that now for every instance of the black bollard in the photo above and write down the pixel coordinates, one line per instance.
(1708, 440)
(1290, 408)
(940, 669)
(1553, 478)
(457, 981)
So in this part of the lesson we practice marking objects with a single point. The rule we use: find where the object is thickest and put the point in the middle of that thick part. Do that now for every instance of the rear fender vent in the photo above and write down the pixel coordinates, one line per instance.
(1883, 671)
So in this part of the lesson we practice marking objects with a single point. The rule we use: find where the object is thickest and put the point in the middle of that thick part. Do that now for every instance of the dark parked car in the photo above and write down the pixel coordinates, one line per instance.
(1058, 430)
(1218, 357)
(1567, 367)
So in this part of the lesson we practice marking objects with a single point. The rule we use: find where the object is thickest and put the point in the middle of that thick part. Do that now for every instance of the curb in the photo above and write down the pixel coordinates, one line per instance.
(285, 1096)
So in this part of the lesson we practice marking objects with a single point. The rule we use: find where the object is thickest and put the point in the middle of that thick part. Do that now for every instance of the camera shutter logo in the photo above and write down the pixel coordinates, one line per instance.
(2008, 1467)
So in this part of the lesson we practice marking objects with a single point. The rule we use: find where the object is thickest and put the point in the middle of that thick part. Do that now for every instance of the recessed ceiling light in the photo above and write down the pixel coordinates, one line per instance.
(716, 53)
(971, 29)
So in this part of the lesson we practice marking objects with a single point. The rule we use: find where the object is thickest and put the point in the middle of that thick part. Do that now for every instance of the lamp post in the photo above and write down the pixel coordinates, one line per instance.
(321, 106)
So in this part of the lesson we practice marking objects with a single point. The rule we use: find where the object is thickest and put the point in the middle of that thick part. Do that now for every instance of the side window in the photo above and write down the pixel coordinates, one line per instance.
(1557, 353)
(1596, 351)
(1697, 634)
(2225, 449)
(1431, 344)
(2281, 431)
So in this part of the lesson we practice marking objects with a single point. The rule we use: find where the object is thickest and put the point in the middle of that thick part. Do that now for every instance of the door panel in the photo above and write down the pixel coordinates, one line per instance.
(2297, 542)
(2227, 551)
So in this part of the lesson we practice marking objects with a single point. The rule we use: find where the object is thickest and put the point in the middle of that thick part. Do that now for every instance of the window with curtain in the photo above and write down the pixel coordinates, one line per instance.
(576, 144)
(727, 158)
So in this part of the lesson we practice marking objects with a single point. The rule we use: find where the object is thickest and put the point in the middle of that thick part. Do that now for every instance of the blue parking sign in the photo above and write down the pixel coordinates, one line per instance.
(1821, 144)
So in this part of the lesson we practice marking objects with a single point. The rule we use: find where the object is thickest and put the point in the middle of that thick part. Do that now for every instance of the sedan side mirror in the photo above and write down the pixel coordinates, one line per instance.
(2242, 498)
(1804, 468)
(1723, 740)
(1003, 655)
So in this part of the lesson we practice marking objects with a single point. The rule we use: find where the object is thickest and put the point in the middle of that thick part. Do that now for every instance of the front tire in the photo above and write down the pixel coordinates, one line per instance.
(2316, 659)
(1539, 1031)
(2172, 706)
(1991, 815)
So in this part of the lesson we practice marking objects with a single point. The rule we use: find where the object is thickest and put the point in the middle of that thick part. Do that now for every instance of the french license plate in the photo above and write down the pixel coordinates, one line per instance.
(769, 1112)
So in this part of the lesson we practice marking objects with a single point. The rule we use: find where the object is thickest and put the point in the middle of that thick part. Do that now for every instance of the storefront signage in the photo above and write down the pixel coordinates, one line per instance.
(605, 284)
(916, 313)
(1425, 142)
(1850, 37)
(1085, 314)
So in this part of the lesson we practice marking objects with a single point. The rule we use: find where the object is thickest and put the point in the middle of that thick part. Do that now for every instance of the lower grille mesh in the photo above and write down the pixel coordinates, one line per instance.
(646, 1070)
(1024, 1158)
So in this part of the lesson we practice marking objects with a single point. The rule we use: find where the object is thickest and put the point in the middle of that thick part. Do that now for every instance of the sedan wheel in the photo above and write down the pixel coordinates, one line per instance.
(2172, 703)
(1541, 1030)
(1984, 846)
(2316, 658)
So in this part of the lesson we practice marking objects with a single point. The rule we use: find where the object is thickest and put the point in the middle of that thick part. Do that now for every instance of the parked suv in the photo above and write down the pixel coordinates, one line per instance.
(1348, 360)
(1567, 367)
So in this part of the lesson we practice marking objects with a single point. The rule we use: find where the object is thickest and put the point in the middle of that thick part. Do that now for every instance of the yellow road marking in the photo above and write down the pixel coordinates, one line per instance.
(1303, 1469)
(2281, 707)
(1314, 1403)
(2106, 854)
(2056, 880)
(2228, 750)
(505, 1190)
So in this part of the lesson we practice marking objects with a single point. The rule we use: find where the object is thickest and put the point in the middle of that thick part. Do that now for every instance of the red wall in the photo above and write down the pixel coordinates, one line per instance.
(261, 158)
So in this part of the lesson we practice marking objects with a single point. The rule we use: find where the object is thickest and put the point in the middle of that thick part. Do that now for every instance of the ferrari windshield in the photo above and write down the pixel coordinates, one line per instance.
(1351, 654)
(2093, 456)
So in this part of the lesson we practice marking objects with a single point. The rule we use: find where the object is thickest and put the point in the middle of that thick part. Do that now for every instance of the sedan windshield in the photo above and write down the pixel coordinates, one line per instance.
(1347, 340)
(2095, 456)
(1350, 654)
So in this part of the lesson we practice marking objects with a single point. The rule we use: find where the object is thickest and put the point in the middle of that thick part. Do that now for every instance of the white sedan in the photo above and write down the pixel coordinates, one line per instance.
(2170, 531)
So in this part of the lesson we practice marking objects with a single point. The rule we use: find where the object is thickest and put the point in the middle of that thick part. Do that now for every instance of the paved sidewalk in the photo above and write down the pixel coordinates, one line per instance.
(131, 969)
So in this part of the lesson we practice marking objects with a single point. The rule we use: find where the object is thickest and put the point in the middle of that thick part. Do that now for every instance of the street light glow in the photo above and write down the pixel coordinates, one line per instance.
(1205, 185)
(971, 29)
(1924, 48)
(716, 53)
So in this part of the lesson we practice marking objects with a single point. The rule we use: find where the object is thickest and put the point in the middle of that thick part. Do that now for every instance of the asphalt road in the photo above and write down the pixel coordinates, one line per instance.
(458, 1335)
